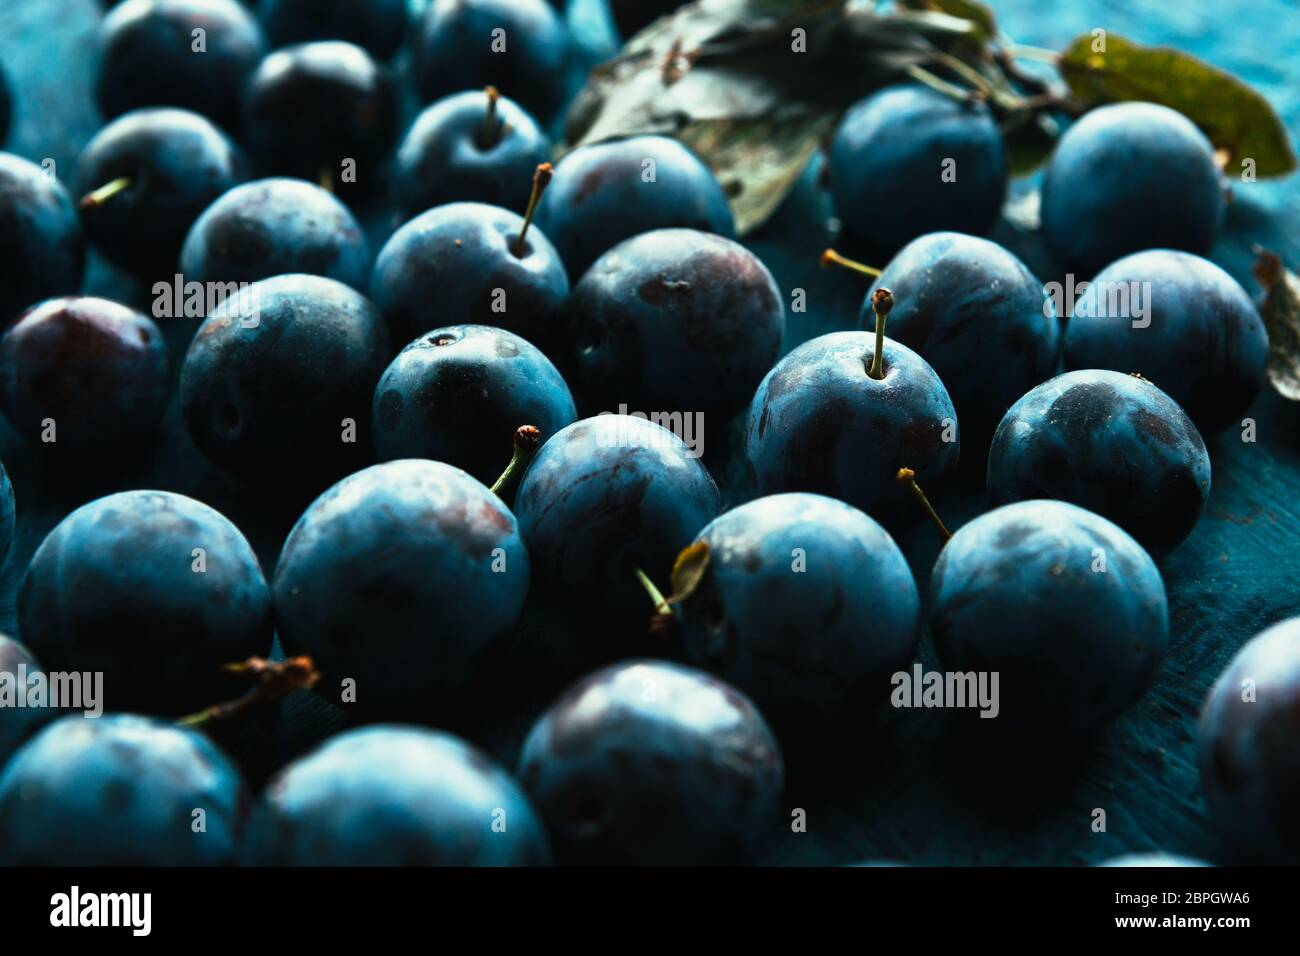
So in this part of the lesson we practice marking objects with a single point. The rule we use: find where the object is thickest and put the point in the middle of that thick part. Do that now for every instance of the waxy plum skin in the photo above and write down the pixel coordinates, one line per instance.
(605, 192)
(1062, 603)
(178, 162)
(441, 159)
(454, 50)
(1201, 339)
(457, 394)
(805, 603)
(393, 795)
(446, 265)
(86, 372)
(819, 423)
(272, 227)
(41, 242)
(978, 316)
(377, 26)
(119, 790)
(401, 577)
(652, 763)
(155, 590)
(17, 724)
(324, 111)
(609, 495)
(1112, 443)
(275, 373)
(1250, 770)
(890, 159)
(147, 57)
(1127, 177)
(674, 319)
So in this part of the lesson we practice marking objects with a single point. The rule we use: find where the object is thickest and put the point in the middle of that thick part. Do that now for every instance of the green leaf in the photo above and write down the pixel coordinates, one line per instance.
(1234, 117)
(1280, 310)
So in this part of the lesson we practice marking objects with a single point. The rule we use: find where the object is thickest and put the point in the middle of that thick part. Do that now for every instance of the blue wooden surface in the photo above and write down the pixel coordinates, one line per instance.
(909, 786)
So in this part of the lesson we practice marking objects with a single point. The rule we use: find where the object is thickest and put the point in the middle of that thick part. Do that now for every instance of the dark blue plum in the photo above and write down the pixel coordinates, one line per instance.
(82, 373)
(278, 381)
(148, 57)
(1061, 603)
(806, 603)
(607, 192)
(392, 795)
(471, 147)
(21, 676)
(40, 238)
(908, 160)
(1250, 767)
(7, 512)
(609, 496)
(445, 267)
(152, 588)
(820, 423)
(652, 763)
(1201, 340)
(674, 319)
(377, 25)
(274, 227)
(1112, 443)
(402, 578)
(312, 107)
(1126, 177)
(145, 178)
(516, 45)
(119, 791)
(6, 105)
(979, 317)
(458, 394)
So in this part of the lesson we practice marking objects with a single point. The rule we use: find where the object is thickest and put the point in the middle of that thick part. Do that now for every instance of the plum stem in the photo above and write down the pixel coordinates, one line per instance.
(882, 300)
(526, 441)
(959, 93)
(490, 134)
(662, 620)
(832, 258)
(273, 680)
(105, 192)
(541, 179)
(325, 178)
(906, 476)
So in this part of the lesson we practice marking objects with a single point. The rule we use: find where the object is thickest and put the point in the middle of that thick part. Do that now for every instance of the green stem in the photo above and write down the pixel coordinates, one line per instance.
(906, 476)
(832, 258)
(656, 596)
(541, 179)
(527, 438)
(882, 300)
(490, 134)
(105, 192)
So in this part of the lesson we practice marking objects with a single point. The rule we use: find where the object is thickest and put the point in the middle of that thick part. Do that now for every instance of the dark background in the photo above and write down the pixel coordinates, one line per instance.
(908, 786)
